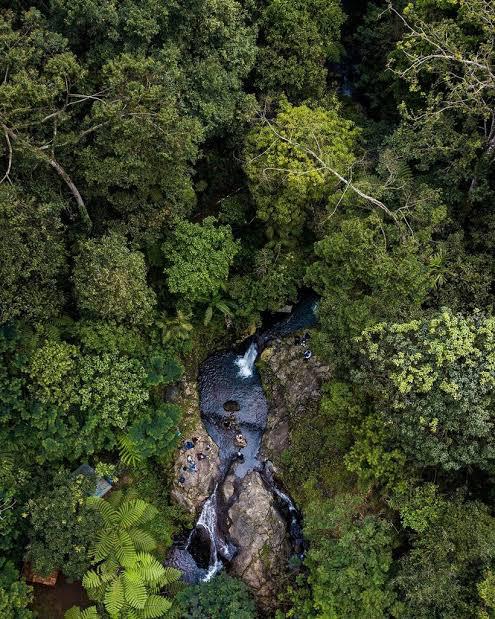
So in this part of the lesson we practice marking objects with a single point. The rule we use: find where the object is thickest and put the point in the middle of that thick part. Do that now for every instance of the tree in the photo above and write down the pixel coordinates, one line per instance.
(446, 57)
(289, 184)
(217, 49)
(110, 281)
(432, 383)
(141, 107)
(199, 257)
(298, 41)
(62, 527)
(32, 256)
(152, 435)
(15, 595)
(127, 578)
(364, 278)
(438, 577)
(223, 597)
(350, 562)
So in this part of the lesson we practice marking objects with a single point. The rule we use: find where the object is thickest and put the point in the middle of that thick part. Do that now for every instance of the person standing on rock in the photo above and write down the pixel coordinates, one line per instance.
(239, 440)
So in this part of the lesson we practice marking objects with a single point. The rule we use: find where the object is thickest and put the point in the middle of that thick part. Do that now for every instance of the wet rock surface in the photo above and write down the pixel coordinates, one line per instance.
(260, 533)
(197, 461)
(246, 522)
(292, 385)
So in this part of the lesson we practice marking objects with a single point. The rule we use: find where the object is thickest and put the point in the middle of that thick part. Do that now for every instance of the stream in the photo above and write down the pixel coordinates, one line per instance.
(234, 411)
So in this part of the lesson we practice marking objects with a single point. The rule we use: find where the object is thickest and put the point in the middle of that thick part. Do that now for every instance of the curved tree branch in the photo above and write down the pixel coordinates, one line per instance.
(60, 171)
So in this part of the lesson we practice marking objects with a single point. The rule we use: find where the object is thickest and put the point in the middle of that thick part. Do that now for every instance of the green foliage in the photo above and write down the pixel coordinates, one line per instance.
(223, 597)
(363, 280)
(15, 595)
(438, 576)
(274, 281)
(47, 380)
(32, 257)
(152, 435)
(299, 39)
(290, 187)
(110, 281)
(77, 613)
(127, 578)
(313, 466)
(199, 257)
(350, 562)
(433, 383)
(61, 526)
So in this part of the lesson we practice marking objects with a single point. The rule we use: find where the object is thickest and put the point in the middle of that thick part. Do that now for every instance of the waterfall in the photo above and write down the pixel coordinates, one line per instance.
(208, 521)
(245, 363)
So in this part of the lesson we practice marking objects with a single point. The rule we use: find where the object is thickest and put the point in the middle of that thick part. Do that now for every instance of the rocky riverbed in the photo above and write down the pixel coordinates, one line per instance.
(250, 519)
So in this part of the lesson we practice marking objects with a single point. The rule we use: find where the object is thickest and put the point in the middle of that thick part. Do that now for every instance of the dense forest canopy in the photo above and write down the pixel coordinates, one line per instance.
(171, 172)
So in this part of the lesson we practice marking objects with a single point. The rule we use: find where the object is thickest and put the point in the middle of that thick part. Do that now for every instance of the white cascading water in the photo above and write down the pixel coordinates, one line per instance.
(208, 520)
(245, 363)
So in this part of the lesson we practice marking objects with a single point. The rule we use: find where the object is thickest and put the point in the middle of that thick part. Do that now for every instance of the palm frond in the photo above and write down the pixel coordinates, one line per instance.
(76, 613)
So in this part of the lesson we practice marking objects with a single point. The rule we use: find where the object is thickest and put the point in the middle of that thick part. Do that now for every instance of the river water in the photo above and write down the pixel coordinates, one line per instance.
(233, 403)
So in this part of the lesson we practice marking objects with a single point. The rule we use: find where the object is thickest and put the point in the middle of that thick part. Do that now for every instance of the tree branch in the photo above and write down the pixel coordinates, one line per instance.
(6, 176)
(349, 184)
(60, 171)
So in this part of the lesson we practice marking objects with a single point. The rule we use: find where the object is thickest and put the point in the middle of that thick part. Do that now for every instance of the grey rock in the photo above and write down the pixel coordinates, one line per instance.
(260, 533)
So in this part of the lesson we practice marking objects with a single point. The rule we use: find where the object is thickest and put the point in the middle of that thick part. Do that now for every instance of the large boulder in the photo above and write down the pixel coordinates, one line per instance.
(292, 384)
(260, 533)
(195, 476)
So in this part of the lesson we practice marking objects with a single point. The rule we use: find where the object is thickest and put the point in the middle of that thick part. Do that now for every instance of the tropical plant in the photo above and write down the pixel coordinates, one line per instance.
(127, 579)
(77, 613)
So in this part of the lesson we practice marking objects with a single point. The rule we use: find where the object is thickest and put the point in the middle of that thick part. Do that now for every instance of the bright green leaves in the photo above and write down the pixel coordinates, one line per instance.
(76, 398)
(77, 613)
(127, 579)
(289, 185)
(433, 383)
(153, 434)
(110, 281)
(199, 257)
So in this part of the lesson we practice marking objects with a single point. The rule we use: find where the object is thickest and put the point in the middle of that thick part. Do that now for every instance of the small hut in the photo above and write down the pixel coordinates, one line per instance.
(103, 486)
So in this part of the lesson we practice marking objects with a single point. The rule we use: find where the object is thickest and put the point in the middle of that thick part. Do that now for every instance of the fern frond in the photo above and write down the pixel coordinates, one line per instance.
(114, 597)
(104, 508)
(142, 540)
(76, 613)
(91, 580)
(115, 498)
(150, 513)
(105, 545)
(156, 606)
(171, 575)
(128, 451)
(150, 568)
(131, 512)
(125, 551)
(134, 590)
